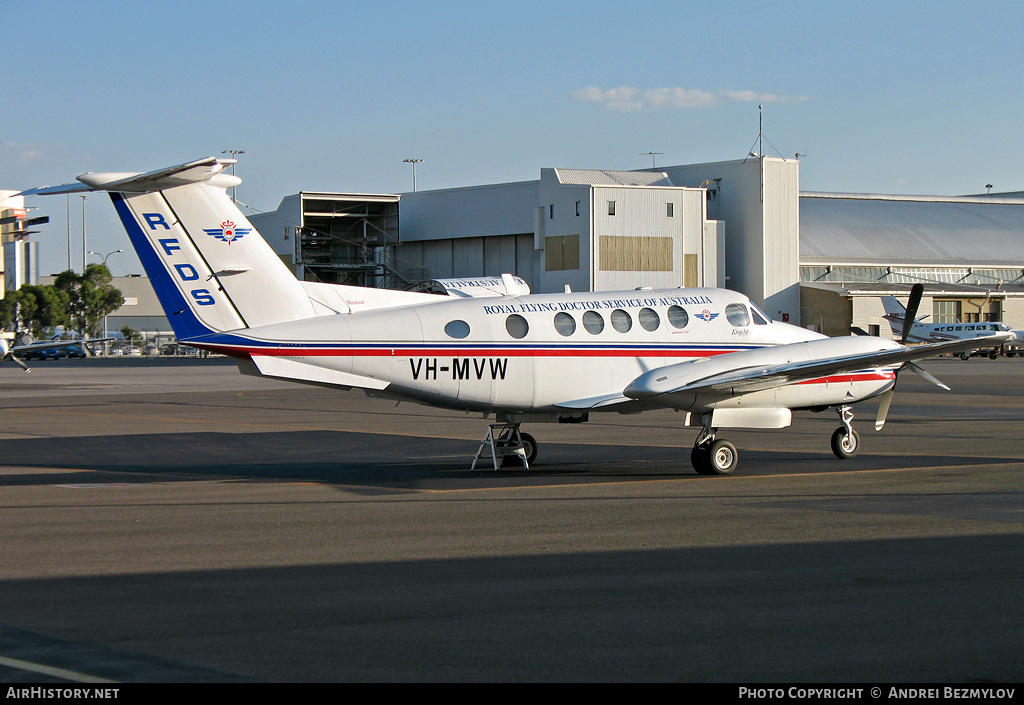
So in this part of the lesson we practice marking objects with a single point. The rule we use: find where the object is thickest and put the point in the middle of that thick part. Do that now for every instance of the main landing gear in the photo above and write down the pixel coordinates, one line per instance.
(506, 445)
(717, 456)
(711, 455)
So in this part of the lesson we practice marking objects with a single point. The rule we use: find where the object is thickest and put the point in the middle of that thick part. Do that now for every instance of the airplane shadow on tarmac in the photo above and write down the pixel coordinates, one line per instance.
(392, 461)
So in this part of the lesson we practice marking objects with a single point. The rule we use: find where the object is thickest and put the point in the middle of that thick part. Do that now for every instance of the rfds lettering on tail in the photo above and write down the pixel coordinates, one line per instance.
(513, 357)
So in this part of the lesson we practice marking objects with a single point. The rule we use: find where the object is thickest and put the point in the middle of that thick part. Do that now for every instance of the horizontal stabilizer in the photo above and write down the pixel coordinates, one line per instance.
(132, 182)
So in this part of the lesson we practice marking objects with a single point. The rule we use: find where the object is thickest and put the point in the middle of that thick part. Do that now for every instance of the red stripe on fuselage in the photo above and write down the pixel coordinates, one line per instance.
(451, 352)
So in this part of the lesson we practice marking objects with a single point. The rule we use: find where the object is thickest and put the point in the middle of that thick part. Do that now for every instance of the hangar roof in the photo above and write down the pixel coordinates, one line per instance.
(596, 177)
(918, 230)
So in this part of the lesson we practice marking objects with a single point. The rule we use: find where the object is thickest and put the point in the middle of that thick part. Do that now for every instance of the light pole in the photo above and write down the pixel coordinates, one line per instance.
(85, 249)
(234, 155)
(414, 162)
(105, 343)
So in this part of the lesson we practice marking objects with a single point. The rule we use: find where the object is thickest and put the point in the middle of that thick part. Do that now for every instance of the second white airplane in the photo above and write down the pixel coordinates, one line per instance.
(515, 358)
(920, 332)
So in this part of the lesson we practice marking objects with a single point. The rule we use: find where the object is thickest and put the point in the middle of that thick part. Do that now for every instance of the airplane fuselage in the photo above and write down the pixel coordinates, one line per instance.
(547, 353)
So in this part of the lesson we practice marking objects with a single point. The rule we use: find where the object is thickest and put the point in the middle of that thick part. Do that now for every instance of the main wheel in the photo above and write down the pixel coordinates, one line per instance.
(529, 447)
(845, 445)
(700, 460)
(722, 457)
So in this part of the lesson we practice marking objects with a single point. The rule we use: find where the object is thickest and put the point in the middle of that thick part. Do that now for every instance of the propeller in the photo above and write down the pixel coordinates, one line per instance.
(7, 354)
(909, 316)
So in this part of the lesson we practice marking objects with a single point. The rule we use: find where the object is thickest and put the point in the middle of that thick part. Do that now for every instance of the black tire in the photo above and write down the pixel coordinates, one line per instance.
(845, 445)
(529, 446)
(722, 457)
(700, 460)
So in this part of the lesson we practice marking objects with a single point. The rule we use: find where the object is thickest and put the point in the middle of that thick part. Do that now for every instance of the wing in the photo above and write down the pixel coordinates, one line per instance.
(50, 344)
(756, 370)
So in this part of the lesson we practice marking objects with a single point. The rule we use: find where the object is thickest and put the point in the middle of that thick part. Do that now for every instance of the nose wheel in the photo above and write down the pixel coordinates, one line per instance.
(845, 441)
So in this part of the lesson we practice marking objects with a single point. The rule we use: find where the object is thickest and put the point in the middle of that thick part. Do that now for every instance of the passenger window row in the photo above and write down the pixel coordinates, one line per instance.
(594, 323)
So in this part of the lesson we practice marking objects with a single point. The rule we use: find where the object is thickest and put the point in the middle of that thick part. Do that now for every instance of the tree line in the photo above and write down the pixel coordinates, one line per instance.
(74, 302)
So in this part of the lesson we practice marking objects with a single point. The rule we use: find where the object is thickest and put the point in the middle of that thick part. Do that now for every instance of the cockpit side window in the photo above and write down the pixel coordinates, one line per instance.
(759, 318)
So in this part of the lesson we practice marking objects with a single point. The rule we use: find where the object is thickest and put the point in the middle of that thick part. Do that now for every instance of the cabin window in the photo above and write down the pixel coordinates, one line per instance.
(678, 317)
(737, 315)
(457, 329)
(517, 326)
(649, 319)
(565, 324)
(593, 322)
(621, 321)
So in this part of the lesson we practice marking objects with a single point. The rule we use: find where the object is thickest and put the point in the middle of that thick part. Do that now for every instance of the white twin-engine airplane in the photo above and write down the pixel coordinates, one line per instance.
(896, 314)
(518, 357)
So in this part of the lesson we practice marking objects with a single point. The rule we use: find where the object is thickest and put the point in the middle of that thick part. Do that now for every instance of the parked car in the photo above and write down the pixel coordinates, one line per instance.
(42, 354)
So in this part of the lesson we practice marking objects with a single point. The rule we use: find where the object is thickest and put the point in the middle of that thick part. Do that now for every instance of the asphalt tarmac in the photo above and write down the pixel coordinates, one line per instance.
(174, 521)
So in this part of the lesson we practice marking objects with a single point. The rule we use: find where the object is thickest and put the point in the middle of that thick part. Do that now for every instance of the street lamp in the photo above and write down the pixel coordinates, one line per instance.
(105, 256)
(105, 342)
(414, 162)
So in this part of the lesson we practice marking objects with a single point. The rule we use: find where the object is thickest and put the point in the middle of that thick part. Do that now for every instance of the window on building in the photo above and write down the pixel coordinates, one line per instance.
(670, 210)
(561, 252)
(619, 253)
(577, 209)
(611, 207)
(946, 311)
(551, 211)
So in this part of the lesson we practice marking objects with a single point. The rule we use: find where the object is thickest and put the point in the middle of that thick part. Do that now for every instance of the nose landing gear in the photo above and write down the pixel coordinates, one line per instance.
(845, 441)
(505, 445)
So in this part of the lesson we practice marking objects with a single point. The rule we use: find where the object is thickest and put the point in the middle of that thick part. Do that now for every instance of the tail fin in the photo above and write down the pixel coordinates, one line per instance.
(895, 313)
(211, 270)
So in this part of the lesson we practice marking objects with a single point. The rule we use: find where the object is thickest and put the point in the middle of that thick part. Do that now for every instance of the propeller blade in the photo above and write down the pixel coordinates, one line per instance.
(883, 408)
(910, 315)
(16, 361)
(924, 373)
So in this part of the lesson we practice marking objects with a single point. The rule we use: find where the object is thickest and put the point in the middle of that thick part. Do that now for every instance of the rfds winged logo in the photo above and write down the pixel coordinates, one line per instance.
(227, 232)
(707, 316)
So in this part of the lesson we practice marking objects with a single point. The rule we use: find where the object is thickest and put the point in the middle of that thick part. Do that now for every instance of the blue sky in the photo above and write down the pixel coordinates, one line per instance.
(893, 97)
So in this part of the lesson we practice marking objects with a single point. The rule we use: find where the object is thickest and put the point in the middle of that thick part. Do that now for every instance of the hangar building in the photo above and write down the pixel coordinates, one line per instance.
(815, 259)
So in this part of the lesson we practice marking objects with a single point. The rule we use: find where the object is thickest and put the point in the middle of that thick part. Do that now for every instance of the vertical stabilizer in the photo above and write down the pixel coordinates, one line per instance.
(209, 266)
